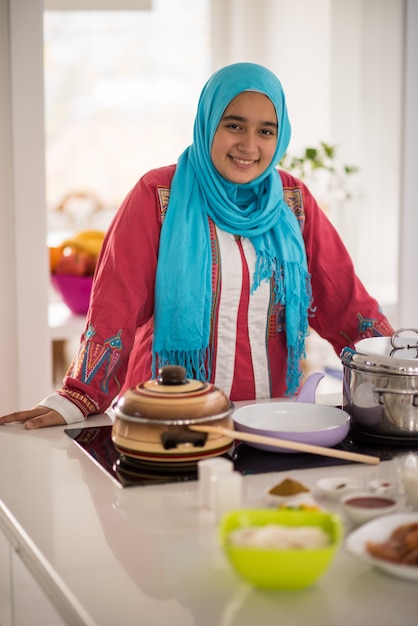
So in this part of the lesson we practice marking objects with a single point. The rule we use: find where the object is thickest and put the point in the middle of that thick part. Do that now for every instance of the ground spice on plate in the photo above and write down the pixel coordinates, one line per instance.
(288, 487)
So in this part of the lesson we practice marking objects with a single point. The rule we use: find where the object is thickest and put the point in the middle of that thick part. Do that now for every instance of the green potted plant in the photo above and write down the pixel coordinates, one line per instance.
(320, 167)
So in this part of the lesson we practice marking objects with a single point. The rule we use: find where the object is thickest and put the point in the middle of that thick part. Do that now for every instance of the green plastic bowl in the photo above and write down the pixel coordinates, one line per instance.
(280, 568)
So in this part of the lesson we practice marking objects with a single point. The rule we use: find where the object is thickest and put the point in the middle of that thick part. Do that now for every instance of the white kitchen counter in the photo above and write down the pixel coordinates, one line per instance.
(149, 555)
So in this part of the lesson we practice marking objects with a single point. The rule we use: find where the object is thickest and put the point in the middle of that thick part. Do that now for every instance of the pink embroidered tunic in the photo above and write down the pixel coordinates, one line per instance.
(248, 332)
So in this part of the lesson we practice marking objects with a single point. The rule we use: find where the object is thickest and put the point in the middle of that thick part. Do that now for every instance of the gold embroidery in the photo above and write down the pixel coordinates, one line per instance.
(163, 196)
(86, 404)
(294, 200)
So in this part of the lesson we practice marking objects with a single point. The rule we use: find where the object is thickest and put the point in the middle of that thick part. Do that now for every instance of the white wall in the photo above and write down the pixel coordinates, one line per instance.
(25, 361)
(293, 40)
(341, 66)
(408, 247)
(8, 362)
(366, 121)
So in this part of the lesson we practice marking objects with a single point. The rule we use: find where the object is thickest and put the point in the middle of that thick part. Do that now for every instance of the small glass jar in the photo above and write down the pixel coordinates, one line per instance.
(408, 472)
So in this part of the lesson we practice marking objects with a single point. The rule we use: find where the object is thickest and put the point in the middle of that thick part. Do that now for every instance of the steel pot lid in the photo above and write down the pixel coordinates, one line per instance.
(397, 355)
(172, 396)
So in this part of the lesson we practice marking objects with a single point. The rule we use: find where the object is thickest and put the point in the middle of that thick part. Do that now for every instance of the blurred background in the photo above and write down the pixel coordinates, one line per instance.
(100, 91)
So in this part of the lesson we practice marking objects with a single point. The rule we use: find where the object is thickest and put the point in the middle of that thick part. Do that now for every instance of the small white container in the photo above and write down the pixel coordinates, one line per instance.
(336, 487)
(207, 469)
(383, 488)
(227, 491)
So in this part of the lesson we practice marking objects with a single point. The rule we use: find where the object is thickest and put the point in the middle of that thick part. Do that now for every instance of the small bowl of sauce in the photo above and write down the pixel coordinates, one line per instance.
(362, 507)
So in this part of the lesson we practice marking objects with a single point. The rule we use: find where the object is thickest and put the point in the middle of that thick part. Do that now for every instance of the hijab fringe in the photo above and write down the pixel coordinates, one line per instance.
(195, 362)
(297, 306)
(296, 350)
(263, 269)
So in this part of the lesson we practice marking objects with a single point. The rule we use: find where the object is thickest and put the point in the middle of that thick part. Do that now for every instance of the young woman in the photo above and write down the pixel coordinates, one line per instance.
(218, 263)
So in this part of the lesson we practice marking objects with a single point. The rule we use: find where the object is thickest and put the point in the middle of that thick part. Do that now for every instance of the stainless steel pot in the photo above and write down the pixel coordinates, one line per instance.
(152, 419)
(380, 383)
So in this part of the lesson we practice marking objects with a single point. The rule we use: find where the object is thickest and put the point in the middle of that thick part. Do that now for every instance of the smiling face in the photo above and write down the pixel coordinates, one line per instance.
(246, 138)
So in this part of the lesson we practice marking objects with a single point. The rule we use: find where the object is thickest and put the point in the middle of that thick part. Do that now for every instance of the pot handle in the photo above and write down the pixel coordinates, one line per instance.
(381, 391)
(171, 439)
(347, 354)
(396, 335)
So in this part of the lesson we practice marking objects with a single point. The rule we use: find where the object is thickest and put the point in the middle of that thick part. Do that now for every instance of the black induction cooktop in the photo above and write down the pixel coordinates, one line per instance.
(97, 443)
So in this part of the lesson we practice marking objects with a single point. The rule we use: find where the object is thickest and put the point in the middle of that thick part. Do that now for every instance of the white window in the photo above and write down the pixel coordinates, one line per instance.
(121, 91)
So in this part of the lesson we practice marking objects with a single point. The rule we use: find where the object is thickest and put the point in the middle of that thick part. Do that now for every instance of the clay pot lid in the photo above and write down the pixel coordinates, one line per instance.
(171, 396)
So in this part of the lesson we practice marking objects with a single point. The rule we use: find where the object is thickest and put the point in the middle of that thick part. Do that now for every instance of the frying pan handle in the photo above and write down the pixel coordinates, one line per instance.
(172, 438)
(308, 390)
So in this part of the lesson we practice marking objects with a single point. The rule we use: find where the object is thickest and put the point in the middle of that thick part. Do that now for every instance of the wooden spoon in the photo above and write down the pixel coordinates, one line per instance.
(290, 445)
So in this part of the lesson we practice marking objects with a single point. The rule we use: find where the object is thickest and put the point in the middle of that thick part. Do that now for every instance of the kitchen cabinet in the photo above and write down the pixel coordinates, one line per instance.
(5, 583)
(22, 601)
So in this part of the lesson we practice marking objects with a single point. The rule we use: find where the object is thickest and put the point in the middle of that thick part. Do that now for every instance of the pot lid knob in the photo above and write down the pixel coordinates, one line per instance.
(172, 375)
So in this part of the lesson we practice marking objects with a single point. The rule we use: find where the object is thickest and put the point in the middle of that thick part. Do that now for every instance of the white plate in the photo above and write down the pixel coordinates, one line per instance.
(295, 421)
(378, 530)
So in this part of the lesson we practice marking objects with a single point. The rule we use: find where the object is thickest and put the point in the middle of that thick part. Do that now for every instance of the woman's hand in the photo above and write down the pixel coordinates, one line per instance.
(38, 417)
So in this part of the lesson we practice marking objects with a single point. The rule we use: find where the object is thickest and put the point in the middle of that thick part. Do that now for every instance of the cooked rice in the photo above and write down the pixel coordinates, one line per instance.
(275, 536)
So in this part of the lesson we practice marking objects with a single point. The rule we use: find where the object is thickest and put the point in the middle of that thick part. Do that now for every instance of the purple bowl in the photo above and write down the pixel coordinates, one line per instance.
(315, 424)
(74, 290)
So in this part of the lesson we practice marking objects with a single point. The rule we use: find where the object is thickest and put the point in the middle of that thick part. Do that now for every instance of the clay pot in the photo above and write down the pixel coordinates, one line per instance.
(152, 419)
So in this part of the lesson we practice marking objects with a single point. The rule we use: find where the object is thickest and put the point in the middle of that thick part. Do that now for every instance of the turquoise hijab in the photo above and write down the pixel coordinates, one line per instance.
(256, 210)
